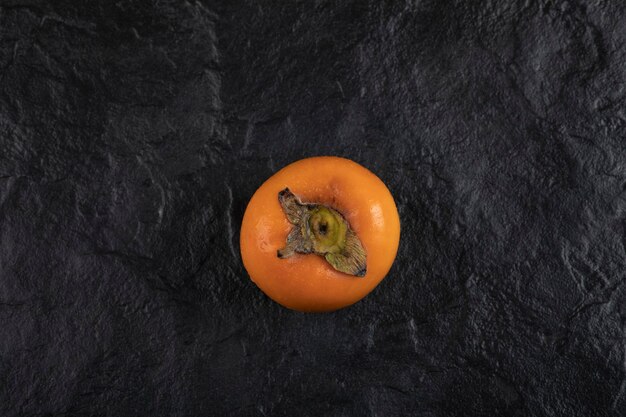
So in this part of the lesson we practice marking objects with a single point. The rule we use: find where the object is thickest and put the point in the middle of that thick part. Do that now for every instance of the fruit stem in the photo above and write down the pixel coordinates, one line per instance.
(321, 230)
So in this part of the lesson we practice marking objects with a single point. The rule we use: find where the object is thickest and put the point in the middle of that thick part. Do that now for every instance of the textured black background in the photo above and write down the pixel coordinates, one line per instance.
(132, 135)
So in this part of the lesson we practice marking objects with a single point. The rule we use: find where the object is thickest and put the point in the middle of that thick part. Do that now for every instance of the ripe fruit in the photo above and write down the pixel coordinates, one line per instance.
(320, 234)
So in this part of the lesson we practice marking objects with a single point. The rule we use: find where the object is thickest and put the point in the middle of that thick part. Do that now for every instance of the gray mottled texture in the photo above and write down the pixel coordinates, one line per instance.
(132, 135)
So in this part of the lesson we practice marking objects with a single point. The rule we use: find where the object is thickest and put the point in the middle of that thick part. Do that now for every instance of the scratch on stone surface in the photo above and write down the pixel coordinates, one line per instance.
(161, 208)
(248, 136)
(596, 299)
(413, 333)
(11, 61)
(197, 270)
(622, 389)
(169, 60)
(27, 7)
(371, 329)
(157, 184)
(597, 38)
(11, 303)
(230, 221)
(84, 27)
(608, 160)
(396, 389)
(620, 393)
(340, 89)
(204, 9)
(584, 268)
(584, 306)
(570, 270)
(135, 32)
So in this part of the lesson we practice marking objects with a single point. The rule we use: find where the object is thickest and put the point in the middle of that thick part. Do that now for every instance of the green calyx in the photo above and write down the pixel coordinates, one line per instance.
(323, 231)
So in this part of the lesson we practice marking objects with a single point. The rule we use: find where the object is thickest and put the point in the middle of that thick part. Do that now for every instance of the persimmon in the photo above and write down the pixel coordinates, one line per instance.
(320, 234)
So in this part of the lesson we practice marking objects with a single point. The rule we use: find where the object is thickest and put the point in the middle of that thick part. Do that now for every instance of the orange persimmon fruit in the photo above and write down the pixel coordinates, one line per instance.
(321, 203)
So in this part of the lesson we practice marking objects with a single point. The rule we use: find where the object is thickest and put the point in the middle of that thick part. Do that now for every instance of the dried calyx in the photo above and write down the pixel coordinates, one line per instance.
(321, 230)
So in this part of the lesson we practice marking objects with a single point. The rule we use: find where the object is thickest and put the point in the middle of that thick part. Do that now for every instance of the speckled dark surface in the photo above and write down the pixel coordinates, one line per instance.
(132, 135)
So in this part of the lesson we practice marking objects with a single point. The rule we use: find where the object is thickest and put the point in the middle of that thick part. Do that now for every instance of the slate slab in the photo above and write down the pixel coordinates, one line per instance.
(132, 135)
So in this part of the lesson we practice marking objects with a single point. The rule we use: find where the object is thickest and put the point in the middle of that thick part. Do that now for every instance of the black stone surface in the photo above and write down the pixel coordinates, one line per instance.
(132, 135)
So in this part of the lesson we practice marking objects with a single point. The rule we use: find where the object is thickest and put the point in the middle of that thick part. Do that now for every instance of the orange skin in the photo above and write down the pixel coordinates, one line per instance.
(307, 282)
